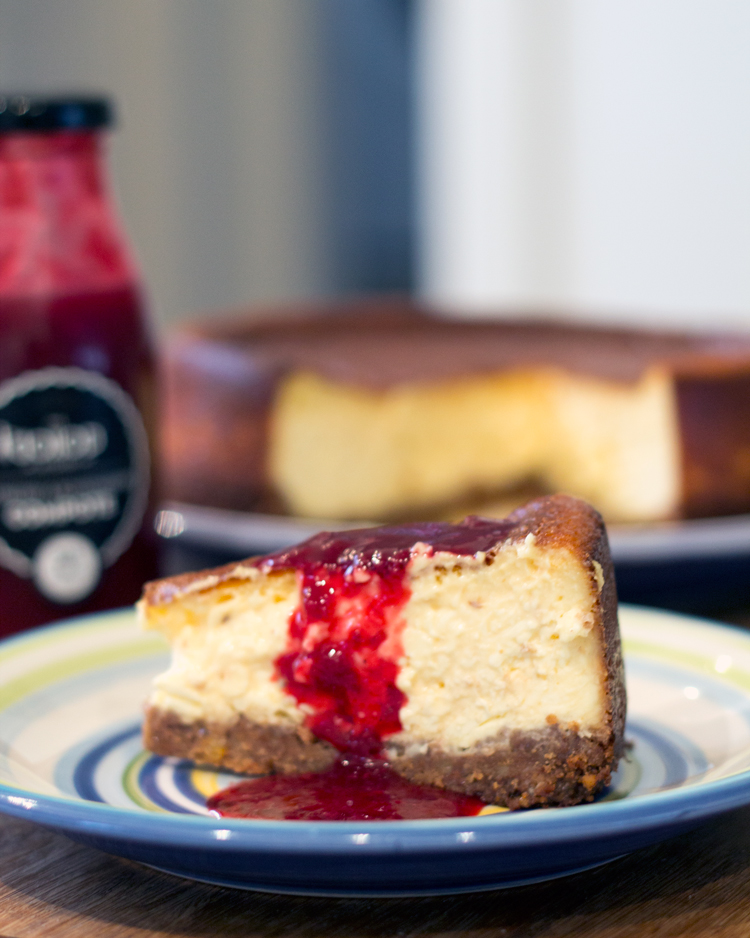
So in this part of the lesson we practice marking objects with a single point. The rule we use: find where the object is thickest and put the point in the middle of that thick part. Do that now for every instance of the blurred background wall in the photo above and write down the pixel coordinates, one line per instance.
(263, 146)
(586, 158)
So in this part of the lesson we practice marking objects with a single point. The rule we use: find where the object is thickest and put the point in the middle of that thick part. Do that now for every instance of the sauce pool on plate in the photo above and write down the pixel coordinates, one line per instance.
(354, 788)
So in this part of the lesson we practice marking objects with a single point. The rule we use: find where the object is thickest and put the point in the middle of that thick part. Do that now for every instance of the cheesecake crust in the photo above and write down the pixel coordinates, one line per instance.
(242, 746)
(555, 766)
(519, 769)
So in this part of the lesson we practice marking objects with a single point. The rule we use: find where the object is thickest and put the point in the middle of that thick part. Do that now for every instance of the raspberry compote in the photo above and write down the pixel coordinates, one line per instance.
(353, 789)
(341, 665)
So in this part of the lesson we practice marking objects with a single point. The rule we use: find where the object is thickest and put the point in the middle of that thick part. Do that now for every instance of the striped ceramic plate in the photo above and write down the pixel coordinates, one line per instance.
(71, 700)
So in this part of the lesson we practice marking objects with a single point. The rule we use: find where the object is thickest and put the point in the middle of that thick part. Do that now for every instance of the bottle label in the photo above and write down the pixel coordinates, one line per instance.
(74, 478)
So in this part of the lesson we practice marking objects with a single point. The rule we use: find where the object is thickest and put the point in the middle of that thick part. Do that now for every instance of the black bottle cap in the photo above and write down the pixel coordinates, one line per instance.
(26, 112)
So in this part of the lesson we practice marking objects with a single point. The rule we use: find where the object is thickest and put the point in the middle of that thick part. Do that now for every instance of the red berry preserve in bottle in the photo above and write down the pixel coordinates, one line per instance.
(76, 374)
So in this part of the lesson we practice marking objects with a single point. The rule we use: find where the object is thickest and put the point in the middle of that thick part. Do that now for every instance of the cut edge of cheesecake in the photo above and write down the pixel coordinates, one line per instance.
(341, 451)
(645, 425)
(509, 660)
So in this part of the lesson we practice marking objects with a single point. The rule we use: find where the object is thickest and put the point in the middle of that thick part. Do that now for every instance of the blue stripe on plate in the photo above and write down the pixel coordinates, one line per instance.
(149, 784)
(85, 771)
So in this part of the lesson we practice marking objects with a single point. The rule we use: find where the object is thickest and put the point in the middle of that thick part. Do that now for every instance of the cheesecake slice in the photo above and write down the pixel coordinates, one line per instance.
(482, 657)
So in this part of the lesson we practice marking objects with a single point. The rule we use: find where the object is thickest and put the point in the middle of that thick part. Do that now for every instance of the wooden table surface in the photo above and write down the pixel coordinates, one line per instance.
(697, 884)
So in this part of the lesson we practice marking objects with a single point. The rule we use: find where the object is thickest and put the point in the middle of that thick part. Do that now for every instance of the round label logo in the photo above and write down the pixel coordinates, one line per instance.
(74, 477)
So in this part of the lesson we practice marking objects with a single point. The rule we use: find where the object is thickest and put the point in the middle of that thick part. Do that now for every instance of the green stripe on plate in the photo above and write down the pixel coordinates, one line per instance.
(30, 641)
(131, 787)
(32, 681)
(691, 659)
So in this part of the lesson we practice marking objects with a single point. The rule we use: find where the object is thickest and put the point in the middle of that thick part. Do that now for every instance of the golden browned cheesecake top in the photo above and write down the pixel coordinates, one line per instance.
(554, 520)
(386, 342)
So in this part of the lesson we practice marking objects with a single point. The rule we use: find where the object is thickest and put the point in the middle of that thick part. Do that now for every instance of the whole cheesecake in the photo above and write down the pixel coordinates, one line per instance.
(482, 657)
(381, 411)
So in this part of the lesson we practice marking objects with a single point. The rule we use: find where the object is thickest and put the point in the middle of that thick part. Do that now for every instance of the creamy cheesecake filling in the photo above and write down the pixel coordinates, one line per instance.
(418, 646)
(225, 643)
(341, 451)
(344, 451)
(491, 648)
(616, 445)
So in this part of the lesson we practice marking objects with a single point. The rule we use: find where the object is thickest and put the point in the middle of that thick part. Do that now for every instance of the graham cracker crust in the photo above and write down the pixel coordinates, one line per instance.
(242, 746)
(554, 766)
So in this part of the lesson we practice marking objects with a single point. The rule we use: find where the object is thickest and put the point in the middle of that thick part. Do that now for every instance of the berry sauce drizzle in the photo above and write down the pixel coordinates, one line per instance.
(341, 665)
(353, 789)
(341, 661)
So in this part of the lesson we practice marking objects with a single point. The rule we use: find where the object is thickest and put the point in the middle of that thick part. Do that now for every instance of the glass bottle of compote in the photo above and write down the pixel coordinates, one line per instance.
(76, 373)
